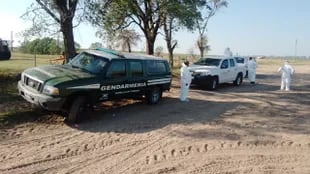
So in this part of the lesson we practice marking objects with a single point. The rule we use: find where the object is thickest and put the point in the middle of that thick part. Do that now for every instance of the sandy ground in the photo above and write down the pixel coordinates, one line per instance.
(246, 129)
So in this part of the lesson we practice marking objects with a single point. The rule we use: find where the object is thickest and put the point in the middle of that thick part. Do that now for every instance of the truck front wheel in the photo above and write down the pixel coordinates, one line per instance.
(77, 109)
(213, 83)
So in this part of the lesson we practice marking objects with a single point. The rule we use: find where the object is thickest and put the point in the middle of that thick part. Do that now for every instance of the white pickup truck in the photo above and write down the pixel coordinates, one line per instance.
(213, 70)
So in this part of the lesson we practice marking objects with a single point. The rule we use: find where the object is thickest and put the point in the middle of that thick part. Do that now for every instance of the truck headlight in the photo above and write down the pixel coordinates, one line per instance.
(205, 73)
(23, 77)
(50, 90)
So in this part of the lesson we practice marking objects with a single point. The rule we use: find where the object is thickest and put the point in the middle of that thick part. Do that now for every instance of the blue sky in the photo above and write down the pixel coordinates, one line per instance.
(248, 27)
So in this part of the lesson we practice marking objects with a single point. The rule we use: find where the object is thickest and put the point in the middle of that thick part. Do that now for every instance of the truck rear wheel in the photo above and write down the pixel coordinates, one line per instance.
(238, 80)
(154, 95)
(77, 109)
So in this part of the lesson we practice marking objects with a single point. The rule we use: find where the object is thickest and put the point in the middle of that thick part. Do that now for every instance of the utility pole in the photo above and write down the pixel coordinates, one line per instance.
(295, 51)
(12, 41)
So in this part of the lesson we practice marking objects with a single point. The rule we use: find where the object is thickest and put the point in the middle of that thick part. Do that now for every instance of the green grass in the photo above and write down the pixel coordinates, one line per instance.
(20, 62)
(8, 92)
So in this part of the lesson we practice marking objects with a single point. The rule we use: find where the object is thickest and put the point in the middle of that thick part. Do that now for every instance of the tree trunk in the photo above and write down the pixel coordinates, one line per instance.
(150, 46)
(170, 50)
(168, 38)
(129, 47)
(201, 49)
(171, 57)
(67, 30)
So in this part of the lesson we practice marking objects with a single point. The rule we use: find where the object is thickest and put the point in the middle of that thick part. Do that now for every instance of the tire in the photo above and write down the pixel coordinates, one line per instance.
(77, 109)
(239, 80)
(5, 55)
(154, 95)
(213, 84)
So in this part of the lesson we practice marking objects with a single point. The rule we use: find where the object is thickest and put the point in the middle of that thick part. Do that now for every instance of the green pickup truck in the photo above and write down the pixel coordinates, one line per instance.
(93, 76)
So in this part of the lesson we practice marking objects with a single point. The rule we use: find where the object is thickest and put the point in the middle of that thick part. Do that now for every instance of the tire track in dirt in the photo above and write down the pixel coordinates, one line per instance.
(81, 149)
(207, 157)
(192, 150)
(91, 143)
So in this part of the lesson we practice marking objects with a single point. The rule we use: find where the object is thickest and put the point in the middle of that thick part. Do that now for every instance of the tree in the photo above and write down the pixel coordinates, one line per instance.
(179, 14)
(127, 38)
(120, 14)
(158, 51)
(211, 7)
(95, 45)
(41, 46)
(62, 13)
(202, 44)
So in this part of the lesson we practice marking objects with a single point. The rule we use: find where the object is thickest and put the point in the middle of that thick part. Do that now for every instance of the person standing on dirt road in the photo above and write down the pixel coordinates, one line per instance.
(186, 79)
(252, 65)
(286, 72)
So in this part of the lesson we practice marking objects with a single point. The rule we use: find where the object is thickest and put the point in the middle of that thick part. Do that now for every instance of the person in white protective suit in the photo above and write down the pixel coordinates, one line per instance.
(186, 79)
(252, 65)
(286, 71)
(227, 52)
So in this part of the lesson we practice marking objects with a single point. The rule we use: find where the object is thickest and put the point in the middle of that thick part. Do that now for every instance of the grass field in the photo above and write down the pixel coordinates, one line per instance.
(20, 61)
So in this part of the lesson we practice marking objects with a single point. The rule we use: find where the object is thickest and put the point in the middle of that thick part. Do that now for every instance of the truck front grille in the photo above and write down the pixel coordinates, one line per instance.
(32, 83)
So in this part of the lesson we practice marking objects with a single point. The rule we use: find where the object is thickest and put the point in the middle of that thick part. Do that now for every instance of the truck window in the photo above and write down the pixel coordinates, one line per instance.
(239, 59)
(135, 68)
(117, 69)
(88, 62)
(232, 62)
(208, 62)
(224, 64)
(155, 67)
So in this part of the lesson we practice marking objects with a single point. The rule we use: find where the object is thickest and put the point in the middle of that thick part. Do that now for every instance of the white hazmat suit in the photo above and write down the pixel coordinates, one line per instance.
(186, 79)
(252, 65)
(227, 52)
(286, 71)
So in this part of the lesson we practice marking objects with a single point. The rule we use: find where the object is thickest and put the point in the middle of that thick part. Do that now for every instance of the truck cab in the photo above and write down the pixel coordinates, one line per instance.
(213, 70)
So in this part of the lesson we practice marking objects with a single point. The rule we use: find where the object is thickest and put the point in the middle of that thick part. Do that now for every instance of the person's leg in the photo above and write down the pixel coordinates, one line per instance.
(182, 92)
(254, 76)
(186, 90)
(251, 76)
(282, 84)
(287, 84)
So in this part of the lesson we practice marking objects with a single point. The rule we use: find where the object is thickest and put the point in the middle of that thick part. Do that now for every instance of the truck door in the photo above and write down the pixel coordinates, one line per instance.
(233, 70)
(224, 75)
(115, 79)
(136, 79)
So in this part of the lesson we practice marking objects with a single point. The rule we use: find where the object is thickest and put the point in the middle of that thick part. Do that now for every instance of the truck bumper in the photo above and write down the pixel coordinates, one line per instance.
(44, 101)
(202, 80)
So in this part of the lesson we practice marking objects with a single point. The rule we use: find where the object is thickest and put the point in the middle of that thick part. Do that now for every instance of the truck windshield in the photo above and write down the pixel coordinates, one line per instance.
(208, 62)
(239, 60)
(88, 62)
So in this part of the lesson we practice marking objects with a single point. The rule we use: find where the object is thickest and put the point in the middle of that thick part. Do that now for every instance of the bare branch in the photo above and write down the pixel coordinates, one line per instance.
(48, 11)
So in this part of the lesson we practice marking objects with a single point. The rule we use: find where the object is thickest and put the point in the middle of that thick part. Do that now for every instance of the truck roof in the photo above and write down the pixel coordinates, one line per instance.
(112, 54)
(216, 57)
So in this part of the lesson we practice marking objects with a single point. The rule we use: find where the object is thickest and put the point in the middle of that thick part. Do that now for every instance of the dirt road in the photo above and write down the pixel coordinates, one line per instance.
(246, 129)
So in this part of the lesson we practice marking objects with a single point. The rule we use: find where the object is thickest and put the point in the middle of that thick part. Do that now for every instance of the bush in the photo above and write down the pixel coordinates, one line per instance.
(41, 46)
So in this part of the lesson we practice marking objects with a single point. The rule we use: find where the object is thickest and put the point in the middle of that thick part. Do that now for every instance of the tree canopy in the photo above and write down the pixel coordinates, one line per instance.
(147, 15)
(207, 12)
(46, 14)
(41, 46)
